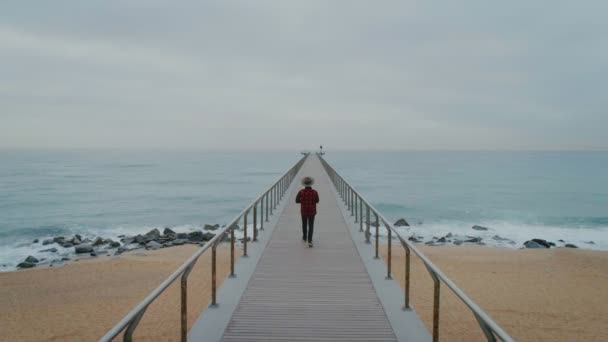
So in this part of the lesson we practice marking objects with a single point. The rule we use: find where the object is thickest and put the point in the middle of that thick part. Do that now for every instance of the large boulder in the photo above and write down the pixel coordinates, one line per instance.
(152, 235)
(47, 242)
(473, 239)
(83, 248)
(169, 231)
(479, 228)
(26, 264)
(533, 244)
(98, 242)
(211, 227)
(543, 242)
(401, 223)
(141, 239)
(31, 259)
(179, 242)
(569, 245)
(59, 239)
(153, 245)
(114, 244)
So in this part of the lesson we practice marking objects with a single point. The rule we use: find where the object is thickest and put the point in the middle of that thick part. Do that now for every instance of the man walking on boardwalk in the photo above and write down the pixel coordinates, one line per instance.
(308, 199)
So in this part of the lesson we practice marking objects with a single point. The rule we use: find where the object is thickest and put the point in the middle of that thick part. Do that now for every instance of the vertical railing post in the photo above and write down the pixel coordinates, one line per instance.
(407, 277)
(245, 233)
(232, 238)
(213, 275)
(356, 207)
(271, 200)
(360, 214)
(367, 232)
(352, 202)
(262, 213)
(255, 222)
(377, 256)
(266, 206)
(184, 304)
(436, 298)
(389, 254)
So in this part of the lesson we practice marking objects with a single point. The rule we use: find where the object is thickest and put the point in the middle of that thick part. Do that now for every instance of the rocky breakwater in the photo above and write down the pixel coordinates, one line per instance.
(99, 246)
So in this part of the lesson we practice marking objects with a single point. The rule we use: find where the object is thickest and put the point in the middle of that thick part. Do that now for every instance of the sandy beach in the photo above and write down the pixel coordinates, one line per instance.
(535, 295)
(84, 299)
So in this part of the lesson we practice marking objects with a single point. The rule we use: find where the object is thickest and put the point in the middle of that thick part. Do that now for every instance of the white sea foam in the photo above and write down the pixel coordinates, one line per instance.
(516, 232)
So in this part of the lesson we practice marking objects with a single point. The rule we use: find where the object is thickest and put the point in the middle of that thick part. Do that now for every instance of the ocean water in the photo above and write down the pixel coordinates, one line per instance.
(108, 193)
(518, 195)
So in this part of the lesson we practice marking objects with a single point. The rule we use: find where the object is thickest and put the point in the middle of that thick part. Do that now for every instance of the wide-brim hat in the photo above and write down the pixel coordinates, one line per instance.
(308, 181)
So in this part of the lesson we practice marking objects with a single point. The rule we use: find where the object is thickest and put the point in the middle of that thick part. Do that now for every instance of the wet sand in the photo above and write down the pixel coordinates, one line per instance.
(534, 294)
(83, 300)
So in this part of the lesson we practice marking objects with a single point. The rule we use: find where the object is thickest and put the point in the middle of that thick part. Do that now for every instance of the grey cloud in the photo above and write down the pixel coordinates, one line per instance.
(269, 74)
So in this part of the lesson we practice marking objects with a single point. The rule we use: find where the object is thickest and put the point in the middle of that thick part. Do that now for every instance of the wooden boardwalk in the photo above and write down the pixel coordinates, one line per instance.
(298, 293)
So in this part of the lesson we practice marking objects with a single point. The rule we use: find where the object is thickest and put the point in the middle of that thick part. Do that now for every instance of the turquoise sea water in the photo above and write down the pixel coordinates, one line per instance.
(519, 195)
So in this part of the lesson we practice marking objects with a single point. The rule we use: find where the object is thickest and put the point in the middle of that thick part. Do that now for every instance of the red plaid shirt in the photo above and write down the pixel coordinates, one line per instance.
(308, 199)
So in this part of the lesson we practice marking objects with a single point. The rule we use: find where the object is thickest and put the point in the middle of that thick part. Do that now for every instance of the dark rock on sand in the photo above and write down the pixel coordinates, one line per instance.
(153, 245)
(50, 250)
(182, 235)
(83, 248)
(179, 242)
(196, 236)
(26, 264)
(441, 239)
(97, 253)
(169, 231)
(154, 234)
(570, 245)
(458, 242)
(35, 241)
(31, 259)
(560, 240)
(590, 242)
(533, 244)
(114, 244)
(141, 239)
(543, 242)
(479, 228)
(401, 223)
(67, 245)
(98, 242)
(414, 239)
(473, 239)
(59, 239)
(47, 242)
(211, 227)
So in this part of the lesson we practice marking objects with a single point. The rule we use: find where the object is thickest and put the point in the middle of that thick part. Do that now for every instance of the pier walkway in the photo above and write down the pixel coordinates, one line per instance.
(297, 293)
(282, 290)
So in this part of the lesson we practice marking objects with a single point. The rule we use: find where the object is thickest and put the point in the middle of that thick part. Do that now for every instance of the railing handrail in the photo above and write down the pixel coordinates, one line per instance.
(137, 312)
(429, 264)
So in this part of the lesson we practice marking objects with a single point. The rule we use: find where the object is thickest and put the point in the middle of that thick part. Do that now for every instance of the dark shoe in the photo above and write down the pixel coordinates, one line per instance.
(310, 244)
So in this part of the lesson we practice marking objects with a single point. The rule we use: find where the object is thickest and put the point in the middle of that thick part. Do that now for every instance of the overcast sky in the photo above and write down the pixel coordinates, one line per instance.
(518, 74)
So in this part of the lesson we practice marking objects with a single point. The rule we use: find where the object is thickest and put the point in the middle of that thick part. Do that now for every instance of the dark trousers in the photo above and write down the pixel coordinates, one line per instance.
(310, 222)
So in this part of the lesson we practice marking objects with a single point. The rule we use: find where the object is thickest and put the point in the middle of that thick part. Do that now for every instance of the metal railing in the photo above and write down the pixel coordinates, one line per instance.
(355, 202)
(266, 202)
